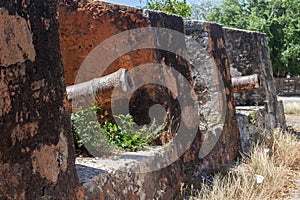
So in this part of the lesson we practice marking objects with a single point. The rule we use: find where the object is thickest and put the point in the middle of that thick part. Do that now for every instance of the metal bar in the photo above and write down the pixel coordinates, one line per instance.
(245, 83)
(87, 94)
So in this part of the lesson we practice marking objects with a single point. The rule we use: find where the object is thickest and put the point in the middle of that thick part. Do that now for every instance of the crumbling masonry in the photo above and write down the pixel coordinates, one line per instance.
(38, 59)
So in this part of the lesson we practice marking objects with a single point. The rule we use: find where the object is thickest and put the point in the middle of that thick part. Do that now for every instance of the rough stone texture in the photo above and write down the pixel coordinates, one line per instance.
(83, 27)
(212, 84)
(253, 122)
(36, 154)
(16, 39)
(248, 54)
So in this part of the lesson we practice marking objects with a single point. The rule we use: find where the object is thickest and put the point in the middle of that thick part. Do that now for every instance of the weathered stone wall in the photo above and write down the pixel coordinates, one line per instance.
(212, 84)
(216, 142)
(85, 27)
(253, 123)
(248, 54)
(36, 152)
(41, 155)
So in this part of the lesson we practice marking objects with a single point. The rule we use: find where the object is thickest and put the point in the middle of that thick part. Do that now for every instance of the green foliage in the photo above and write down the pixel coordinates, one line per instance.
(279, 19)
(201, 9)
(170, 6)
(104, 138)
(89, 135)
(253, 117)
(125, 135)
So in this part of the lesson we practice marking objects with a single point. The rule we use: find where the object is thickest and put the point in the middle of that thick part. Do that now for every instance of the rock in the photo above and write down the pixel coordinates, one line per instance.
(259, 179)
(36, 153)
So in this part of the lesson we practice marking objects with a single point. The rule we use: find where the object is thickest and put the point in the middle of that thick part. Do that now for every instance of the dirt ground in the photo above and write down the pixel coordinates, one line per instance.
(292, 105)
(293, 120)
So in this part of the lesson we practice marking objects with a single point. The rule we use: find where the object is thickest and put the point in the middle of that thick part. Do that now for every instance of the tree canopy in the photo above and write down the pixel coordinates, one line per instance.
(170, 6)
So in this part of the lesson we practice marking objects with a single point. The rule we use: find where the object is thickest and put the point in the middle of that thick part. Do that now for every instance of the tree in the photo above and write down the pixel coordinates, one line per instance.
(201, 9)
(291, 29)
(279, 19)
(170, 6)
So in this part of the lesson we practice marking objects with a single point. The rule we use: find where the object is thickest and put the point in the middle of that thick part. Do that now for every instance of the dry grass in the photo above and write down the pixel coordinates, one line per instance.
(286, 148)
(291, 107)
(278, 166)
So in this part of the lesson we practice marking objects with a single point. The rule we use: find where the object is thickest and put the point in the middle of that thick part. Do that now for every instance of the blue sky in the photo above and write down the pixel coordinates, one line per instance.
(137, 2)
(126, 2)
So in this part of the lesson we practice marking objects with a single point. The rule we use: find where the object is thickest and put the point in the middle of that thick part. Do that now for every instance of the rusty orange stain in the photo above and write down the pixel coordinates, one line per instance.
(48, 161)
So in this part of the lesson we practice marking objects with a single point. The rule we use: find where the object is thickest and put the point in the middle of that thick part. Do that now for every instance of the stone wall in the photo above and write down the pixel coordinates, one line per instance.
(211, 77)
(158, 171)
(85, 29)
(84, 26)
(181, 65)
(36, 152)
(249, 54)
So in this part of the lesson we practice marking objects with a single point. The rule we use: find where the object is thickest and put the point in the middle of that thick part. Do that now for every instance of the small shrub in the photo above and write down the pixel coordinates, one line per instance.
(128, 137)
(105, 138)
(253, 114)
(89, 136)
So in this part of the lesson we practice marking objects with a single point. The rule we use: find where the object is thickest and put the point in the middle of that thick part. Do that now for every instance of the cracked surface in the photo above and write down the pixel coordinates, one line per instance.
(15, 39)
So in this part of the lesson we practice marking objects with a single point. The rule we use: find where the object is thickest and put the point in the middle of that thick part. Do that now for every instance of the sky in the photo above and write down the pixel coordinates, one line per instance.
(126, 2)
(137, 2)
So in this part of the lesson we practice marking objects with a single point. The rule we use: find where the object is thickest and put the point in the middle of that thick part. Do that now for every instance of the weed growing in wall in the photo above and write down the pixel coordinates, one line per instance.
(107, 137)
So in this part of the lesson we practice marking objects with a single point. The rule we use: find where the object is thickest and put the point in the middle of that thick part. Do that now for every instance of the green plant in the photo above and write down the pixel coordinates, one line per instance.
(170, 6)
(89, 135)
(252, 117)
(126, 136)
(105, 137)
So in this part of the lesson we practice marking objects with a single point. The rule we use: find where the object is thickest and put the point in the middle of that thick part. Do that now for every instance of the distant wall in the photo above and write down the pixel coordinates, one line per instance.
(249, 54)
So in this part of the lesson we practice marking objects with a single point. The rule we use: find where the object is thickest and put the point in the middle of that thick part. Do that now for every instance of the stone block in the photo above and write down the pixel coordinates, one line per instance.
(37, 158)
(189, 149)
(249, 54)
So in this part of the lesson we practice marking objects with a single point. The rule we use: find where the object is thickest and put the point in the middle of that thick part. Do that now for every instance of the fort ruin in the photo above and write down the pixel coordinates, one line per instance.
(43, 52)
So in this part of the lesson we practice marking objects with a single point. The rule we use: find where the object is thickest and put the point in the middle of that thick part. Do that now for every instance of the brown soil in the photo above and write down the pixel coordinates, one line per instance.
(293, 121)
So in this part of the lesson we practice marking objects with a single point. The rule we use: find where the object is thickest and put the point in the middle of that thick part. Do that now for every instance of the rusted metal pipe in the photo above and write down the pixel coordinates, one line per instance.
(87, 94)
(241, 83)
